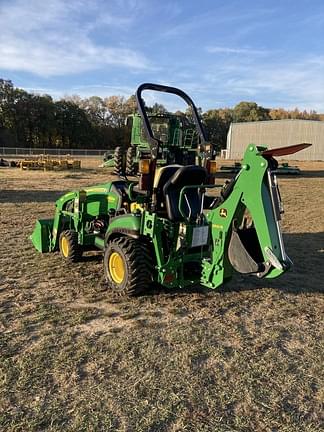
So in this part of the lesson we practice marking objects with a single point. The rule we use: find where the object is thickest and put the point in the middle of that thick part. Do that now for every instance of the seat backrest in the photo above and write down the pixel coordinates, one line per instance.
(186, 176)
(163, 175)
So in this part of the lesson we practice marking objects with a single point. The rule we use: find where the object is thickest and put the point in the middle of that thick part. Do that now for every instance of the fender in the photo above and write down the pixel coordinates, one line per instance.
(128, 225)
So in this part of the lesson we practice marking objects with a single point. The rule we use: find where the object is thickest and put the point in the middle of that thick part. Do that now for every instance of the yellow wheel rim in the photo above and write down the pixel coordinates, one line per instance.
(65, 247)
(116, 267)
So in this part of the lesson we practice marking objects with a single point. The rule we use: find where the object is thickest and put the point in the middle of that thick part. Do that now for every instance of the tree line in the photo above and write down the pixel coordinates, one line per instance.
(30, 120)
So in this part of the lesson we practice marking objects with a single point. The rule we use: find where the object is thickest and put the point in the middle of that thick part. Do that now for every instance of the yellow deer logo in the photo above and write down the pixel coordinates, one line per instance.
(223, 212)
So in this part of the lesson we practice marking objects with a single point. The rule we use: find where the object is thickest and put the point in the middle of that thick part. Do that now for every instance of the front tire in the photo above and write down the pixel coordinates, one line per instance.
(127, 266)
(69, 246)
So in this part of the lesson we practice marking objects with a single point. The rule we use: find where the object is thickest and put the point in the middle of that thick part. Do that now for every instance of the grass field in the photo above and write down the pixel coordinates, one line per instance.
(247, 357)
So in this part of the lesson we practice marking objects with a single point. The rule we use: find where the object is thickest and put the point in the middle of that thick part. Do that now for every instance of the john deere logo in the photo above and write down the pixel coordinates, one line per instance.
(223, 212)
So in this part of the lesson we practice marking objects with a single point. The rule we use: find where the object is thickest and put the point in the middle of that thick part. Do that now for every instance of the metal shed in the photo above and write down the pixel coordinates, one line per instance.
(277, 133)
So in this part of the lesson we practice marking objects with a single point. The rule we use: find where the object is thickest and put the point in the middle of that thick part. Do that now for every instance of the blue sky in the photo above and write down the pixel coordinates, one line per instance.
(220, 52)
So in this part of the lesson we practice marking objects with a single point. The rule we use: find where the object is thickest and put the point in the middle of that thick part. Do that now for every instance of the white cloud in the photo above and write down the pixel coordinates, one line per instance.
(211, 54)
(228, 50)
(84, 91)
(53, 38)
(102, 90)
(274, 82)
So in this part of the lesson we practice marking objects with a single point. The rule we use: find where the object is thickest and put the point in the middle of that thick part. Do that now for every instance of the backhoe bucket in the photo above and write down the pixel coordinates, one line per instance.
(41, 236)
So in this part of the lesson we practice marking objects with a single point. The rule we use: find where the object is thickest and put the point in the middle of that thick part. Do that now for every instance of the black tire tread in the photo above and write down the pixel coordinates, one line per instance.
(130, 163)
(74, 247)
(139, 266)
(118, 161)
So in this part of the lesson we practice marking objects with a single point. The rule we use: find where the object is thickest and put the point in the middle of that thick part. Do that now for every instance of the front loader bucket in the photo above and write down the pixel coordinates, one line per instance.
(42, 234)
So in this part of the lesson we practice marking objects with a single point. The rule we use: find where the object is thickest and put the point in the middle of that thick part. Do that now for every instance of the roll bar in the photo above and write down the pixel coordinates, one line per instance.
(165, 89)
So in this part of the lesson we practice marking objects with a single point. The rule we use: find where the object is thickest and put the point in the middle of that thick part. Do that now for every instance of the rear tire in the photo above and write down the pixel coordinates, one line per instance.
(130, 163)
(127, 266)
(69, 246)
(118, 162)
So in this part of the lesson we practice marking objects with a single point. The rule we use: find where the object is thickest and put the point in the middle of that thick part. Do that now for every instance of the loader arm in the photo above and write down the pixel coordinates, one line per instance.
(245, 226)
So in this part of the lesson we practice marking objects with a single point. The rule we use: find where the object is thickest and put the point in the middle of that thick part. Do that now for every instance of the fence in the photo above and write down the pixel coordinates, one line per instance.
(24, 151)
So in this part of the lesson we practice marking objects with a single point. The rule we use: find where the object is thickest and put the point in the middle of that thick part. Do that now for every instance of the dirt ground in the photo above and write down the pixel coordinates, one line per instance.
(246, 357)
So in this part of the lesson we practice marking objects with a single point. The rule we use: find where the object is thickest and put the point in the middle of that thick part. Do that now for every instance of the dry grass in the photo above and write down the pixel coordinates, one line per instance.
(248, 357)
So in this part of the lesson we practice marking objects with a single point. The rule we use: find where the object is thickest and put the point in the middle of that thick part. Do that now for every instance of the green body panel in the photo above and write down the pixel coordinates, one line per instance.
(75, 210)
(108, 164)
(99, 242)
(172, 249)
(125, 224)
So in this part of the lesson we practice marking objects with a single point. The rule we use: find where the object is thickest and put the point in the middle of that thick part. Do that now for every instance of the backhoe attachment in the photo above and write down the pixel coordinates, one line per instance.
(245, 221)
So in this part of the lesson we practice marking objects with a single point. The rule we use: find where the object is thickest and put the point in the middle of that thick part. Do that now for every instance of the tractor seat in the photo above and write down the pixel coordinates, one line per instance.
(162, 175)
(185, 176)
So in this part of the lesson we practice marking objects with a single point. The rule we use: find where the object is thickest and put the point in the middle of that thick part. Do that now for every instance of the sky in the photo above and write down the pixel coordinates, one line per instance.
(219, 52)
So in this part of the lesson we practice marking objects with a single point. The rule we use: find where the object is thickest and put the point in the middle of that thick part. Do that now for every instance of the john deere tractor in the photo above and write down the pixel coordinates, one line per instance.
(178, 141)
(167, 228)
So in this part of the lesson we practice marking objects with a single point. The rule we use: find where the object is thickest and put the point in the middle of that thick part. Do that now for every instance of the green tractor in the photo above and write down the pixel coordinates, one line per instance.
(166, 229)
(178, 142)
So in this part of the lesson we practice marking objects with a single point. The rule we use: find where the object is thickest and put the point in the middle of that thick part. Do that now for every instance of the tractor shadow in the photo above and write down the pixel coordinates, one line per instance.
(306, 250)
(92, 256)
(155, 307)
(29, 196)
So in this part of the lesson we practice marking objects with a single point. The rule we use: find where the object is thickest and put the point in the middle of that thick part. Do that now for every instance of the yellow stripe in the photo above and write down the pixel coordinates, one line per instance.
(96, 190)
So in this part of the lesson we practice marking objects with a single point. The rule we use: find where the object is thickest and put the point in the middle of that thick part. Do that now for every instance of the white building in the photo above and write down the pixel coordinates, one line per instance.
(277, 133)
